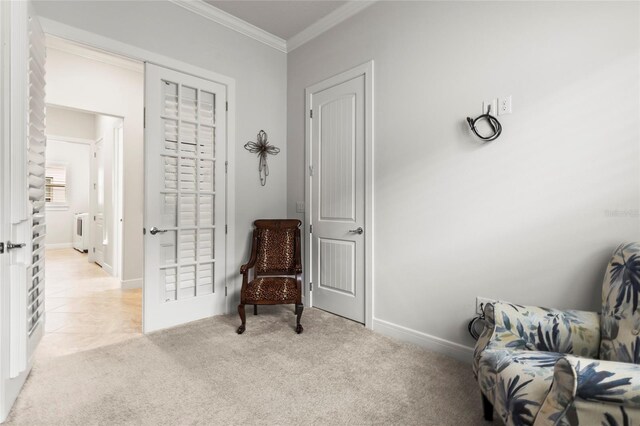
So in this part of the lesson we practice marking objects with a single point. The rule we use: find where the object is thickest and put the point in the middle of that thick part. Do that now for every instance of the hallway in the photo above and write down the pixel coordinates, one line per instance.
(85, 307)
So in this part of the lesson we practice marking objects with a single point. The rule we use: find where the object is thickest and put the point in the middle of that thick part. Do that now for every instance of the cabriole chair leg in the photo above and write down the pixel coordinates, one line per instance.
(255, 309)
(242, 318)
(487, 407)
(299, 309)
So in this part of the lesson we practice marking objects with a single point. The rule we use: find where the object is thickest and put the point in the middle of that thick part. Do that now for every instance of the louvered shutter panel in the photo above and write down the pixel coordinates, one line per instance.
(36, 176)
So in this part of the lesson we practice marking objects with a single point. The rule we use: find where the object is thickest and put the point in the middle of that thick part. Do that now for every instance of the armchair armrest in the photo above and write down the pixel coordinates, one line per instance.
(297, 255)
(245, 268)
(587, 391)
(512, 326)
(252, 260)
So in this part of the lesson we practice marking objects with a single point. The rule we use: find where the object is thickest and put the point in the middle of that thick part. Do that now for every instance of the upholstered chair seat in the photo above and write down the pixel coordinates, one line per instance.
(275, 289)
(540, 366)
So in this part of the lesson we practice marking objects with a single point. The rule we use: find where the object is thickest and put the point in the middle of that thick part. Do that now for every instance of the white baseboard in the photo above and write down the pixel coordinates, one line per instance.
(129, 284)
(107, 268)
(58, 246)
(436, 344)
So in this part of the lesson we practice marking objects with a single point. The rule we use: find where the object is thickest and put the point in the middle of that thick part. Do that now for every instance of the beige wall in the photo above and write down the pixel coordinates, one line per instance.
(529, 218)
(70, 123)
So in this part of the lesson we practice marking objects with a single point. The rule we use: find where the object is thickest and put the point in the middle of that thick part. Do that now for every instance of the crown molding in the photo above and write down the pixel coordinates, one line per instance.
(87, 52)
(226, 19)
(339, 15)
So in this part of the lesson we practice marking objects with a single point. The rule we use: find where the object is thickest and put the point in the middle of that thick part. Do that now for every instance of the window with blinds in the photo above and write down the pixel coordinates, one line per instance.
(56, 185)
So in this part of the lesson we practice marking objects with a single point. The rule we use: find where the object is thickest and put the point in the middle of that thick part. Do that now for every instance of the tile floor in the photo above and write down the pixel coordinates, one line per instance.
(85, 307)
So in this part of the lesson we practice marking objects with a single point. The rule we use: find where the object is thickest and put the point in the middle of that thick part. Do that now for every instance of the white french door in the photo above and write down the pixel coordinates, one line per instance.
(23, 196)
(185, 182)
(338, 198)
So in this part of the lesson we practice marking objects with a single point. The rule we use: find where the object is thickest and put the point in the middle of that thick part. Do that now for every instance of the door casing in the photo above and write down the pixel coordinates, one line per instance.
(365, 70)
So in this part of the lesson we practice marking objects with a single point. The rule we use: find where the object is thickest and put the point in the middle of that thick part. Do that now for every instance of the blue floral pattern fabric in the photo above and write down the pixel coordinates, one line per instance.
(516, 353)
(549, 367)
(620, 315)
(595, 392)
(516, 381)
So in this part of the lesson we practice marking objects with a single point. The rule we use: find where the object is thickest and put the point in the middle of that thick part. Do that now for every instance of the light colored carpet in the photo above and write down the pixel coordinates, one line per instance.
(336, 372)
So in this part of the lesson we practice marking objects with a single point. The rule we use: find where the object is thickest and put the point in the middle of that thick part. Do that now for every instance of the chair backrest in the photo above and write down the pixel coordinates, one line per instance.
(620, 321)
(278, 246)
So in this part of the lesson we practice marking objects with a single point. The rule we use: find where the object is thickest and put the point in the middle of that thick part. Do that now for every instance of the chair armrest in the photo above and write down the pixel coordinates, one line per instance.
(591, 392)
(254, 254)
(245, 268)
(513, 326)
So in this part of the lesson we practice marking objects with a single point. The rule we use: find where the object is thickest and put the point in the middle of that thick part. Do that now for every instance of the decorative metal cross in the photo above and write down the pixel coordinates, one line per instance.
(262, 148)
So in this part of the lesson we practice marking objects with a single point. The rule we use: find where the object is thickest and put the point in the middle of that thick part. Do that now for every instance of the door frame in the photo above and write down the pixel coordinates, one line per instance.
(87, 38)
(365, 70)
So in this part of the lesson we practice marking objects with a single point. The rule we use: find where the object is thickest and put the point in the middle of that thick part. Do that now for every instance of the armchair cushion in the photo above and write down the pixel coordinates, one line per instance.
(587, 391)
(520, 327)
(271, 289)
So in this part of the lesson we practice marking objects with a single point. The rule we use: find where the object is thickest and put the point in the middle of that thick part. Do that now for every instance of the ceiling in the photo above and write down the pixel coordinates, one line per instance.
(281, 18)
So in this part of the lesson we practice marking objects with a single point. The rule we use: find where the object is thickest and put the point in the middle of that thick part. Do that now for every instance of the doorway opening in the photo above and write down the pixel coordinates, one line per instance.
(94, 132)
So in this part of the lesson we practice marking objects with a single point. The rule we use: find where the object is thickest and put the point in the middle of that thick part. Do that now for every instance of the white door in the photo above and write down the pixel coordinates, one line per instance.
(185, 139)
(23, 196)
(98, 231)
(338, 198)
(116, 199)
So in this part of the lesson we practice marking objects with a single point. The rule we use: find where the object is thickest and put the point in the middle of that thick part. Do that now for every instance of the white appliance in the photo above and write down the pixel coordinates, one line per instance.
(80, 237)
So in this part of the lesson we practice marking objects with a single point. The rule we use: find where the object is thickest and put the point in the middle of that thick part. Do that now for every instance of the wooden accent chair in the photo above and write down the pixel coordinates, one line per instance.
(275, 259)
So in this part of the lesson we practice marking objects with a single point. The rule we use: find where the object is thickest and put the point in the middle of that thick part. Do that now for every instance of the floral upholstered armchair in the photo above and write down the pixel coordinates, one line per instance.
(539, 366)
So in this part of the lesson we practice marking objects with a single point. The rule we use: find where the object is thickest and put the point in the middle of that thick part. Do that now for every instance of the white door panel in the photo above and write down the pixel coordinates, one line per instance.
(98, 232)
(23, 190)
(185, 198)
(338, 205)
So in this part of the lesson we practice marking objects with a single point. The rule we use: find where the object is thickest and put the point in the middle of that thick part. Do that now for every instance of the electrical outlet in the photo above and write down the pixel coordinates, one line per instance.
(494, 106)
(300, 207)
(481, 302)
(504, 105)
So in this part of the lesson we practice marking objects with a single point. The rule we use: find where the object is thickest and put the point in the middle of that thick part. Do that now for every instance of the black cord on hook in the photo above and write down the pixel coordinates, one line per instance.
(495, 125)
(477, 324)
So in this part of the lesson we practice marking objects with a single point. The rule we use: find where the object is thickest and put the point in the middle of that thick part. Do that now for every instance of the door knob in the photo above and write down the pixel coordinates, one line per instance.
(358, 230)
(155, 231)
(11, 246)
